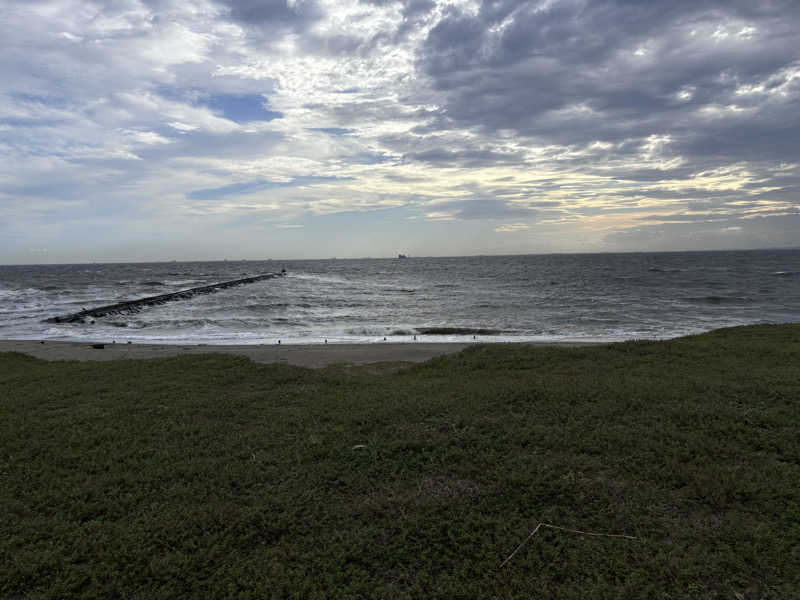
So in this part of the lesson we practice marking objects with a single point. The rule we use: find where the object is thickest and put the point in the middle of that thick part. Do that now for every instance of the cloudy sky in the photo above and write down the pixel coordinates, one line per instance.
(207, 129)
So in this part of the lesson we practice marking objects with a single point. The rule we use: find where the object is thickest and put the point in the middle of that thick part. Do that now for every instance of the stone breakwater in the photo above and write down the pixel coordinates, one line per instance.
(134, 306)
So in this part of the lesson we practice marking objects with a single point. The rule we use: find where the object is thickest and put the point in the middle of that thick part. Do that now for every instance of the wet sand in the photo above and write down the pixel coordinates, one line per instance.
(304, 355)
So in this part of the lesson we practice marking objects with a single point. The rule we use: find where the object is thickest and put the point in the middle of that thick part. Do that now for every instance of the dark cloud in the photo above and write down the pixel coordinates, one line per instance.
(266, 22)
(272, 13)
(567, 73)
(661, 175)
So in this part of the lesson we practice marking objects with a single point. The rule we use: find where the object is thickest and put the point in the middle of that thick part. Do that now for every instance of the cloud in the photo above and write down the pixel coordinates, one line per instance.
(249, 187)
(756, 232)
(512, 228)
(620, 124)
(569, 73)
(488, 209)
(333, 130)
(464, 158)
(272, 13)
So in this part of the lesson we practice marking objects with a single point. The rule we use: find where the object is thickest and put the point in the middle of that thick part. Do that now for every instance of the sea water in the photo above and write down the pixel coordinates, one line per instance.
(602, 297)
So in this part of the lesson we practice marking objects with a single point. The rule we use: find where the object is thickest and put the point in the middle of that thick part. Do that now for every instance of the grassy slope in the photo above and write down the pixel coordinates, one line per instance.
(212, 476)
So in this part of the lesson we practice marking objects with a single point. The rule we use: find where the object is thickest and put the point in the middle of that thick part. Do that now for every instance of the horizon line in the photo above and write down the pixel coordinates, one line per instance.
(395, 257)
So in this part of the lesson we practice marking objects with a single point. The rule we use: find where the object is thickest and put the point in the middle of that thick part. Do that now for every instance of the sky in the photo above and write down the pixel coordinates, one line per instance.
(138, 130)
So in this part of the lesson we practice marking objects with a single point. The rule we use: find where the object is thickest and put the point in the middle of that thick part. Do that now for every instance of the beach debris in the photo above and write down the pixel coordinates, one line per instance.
(98, 346)
(359, 447)
(134, 306)
(567, 529)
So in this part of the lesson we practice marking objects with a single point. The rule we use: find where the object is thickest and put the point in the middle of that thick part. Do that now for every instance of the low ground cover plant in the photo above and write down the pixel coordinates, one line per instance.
(211, 476)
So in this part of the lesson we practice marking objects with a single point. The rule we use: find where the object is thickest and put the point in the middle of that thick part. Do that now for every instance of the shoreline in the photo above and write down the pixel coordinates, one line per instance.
(302, 355)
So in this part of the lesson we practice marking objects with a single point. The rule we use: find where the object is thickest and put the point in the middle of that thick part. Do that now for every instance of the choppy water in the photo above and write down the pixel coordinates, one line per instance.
(537, 297)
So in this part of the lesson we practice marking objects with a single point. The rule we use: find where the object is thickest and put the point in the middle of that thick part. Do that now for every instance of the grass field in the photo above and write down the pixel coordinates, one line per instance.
(210, 476)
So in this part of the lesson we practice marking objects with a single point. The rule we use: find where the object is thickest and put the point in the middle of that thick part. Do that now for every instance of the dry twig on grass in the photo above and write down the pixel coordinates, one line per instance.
(540, 525)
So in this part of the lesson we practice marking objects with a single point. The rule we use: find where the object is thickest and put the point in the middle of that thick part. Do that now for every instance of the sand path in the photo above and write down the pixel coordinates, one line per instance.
(304, 355)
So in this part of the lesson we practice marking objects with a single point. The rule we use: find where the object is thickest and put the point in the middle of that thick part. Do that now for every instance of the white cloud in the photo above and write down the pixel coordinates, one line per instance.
(182, 127)
(148, 138)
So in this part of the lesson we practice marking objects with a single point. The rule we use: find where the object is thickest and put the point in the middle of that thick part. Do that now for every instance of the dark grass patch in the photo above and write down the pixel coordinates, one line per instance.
(211, 476)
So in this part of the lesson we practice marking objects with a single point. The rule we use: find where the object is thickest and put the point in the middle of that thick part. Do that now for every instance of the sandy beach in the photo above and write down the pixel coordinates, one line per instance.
(304, 355)
(307, 355)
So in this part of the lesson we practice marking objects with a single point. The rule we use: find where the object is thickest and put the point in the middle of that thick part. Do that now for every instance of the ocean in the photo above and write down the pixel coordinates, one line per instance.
(566, 297)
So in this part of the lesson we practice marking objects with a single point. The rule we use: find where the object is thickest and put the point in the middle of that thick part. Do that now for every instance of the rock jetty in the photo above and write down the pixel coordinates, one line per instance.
(134, 306)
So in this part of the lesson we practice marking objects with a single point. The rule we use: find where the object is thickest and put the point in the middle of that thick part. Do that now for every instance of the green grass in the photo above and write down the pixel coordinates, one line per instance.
(210, 476)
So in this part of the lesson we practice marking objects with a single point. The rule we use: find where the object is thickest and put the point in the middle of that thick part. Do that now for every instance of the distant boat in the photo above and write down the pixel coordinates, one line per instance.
(402, 256)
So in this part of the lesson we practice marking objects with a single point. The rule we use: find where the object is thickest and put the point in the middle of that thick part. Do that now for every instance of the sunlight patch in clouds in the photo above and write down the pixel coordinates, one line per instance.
(512, 228)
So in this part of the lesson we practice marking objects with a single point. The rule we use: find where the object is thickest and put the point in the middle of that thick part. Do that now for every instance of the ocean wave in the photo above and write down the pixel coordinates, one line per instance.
(261, 308)
(318, 278)
(165, 324)
(183, 281)
(370, 331)
(128, 324)
(449, 299)
(16, 293)
(403, 332)
(288, 322)
(334, 303)
(458, 331)
(719, 300)
(191, 323)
